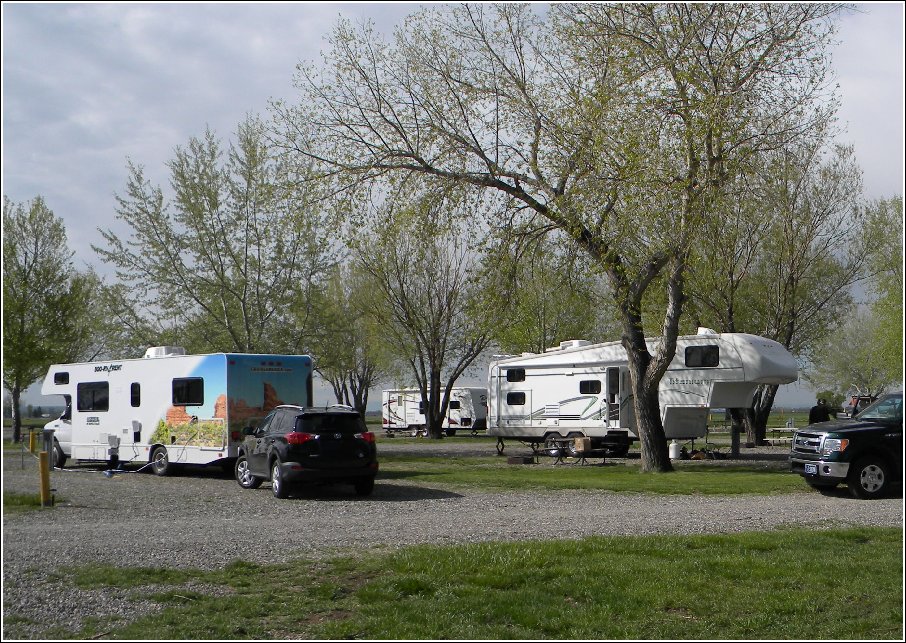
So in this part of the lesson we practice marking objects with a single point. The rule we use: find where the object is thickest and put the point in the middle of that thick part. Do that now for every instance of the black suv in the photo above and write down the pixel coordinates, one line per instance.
(297, 444)
(865, 452)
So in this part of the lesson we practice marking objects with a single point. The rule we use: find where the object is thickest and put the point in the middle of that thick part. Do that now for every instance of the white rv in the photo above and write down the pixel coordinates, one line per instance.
(580, 389)
(402, 410)
(170, 408)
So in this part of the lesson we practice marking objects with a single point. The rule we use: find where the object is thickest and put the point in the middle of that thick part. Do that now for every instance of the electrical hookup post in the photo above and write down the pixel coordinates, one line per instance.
(44, 467)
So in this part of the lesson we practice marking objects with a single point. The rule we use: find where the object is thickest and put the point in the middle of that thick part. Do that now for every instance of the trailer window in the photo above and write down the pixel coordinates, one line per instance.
(93, 396)
(515, 375)
(61, 378)
(135, 394)
(590, 387)
(702, 356)
(188, 391)
(515, 399)
(454, 404)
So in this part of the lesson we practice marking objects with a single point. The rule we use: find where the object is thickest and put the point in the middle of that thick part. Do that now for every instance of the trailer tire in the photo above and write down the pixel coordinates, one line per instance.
(551, 447)
(278, 484)
(59, 458)
(160, 461)
(245, 479)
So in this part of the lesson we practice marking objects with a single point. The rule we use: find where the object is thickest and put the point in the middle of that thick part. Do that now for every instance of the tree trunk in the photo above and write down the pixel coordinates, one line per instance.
(17, 415)
(650, 428)
(756, 418)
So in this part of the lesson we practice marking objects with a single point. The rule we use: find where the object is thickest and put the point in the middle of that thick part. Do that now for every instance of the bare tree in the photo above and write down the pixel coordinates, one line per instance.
(617, 124)
(428, 311)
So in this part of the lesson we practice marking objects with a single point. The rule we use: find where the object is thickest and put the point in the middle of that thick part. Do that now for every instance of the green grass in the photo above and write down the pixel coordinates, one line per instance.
(493, 473)
(788, 584)
(14, 502)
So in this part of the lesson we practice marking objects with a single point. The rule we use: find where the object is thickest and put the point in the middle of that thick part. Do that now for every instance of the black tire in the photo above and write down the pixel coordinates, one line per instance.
(364, 486)
(59, 458)
(571, 448)
(869, 478)
(278, 484)
(245, 479)
(160, 462)
(551, 448)
(451, 432)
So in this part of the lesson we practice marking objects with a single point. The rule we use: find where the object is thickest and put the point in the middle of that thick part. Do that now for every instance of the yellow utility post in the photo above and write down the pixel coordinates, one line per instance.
(44, 468)
(31, 441)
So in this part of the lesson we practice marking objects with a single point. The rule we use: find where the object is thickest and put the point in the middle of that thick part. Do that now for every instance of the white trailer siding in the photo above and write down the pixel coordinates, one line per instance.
(193, 405)
(584, 389)
(401, 409)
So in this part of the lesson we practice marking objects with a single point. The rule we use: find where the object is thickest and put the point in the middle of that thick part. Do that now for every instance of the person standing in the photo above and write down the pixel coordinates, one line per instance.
(819, 412)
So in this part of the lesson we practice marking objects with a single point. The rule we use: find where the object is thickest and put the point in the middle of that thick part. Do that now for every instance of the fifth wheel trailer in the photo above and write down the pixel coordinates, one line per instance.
(170, 408)
(580, 389)
(402, 410)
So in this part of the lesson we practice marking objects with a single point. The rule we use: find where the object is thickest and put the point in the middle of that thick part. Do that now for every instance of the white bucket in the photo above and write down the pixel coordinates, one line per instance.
(675, 450)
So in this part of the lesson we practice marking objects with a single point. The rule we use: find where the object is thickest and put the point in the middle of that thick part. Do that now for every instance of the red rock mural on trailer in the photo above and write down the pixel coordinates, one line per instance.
(239, 409)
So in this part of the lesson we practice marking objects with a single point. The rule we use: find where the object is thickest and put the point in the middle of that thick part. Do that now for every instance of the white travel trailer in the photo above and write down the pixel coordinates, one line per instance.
(402, 410)
(170, 408)
(580, 389)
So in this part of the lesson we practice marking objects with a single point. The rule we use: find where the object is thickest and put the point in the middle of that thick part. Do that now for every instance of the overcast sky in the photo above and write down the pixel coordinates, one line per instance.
(86, 86)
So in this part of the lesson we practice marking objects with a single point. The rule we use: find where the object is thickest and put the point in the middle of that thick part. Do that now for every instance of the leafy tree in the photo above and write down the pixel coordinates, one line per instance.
(418, 256)
(784, 257)
(884, 231)
(348, 348)
(617, 124)
(854, 359)
(548, 294)
(46, 303)
(231, 261)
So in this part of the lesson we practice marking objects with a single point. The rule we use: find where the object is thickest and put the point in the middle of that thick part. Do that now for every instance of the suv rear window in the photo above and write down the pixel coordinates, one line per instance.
(330, 422)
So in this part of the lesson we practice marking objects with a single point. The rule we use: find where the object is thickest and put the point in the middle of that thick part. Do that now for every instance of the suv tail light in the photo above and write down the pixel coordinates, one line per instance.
(299, 438)
(368, 436)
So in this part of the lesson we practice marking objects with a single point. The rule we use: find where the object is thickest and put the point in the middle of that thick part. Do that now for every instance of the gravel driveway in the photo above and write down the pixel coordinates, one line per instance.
(204, 519)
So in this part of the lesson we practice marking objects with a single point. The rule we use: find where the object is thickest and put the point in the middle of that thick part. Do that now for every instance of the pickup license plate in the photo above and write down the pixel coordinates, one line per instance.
(812, 469)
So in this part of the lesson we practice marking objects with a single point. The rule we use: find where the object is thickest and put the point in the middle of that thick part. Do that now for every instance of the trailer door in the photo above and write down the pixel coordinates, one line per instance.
(613, 398)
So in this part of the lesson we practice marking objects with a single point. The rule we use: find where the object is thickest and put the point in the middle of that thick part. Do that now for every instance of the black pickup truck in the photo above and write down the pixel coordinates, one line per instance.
(865, 452)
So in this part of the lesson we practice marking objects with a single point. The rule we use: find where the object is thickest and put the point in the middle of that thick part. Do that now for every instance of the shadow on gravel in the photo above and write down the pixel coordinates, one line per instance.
(382, 493)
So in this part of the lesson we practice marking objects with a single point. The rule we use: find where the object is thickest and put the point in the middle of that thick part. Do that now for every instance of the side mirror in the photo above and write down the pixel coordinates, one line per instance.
(249, 430)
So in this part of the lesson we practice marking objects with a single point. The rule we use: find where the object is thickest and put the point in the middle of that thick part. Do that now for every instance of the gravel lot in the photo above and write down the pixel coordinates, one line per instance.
(204, 519)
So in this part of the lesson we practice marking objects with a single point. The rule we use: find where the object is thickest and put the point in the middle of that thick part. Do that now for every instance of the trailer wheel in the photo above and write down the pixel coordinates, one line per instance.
(59, 458)
(551, 447)
(245, 479)
(160, 462)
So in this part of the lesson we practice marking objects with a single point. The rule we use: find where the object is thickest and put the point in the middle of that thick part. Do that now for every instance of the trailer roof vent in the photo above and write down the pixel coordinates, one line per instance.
(570, 343)
(706, 331)
(164, 351)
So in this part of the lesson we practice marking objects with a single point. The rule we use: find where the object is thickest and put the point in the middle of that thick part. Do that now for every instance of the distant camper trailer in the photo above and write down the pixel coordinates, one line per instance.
(580, 389)
(170, 408)
(402, 410)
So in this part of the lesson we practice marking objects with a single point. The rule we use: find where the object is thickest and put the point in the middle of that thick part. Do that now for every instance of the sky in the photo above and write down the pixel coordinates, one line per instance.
(87, 87)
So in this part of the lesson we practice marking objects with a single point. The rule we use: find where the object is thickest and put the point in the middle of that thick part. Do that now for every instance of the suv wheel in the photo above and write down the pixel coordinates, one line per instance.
(868, 478)
(278, 484)
(364, 487)
(245, 479)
